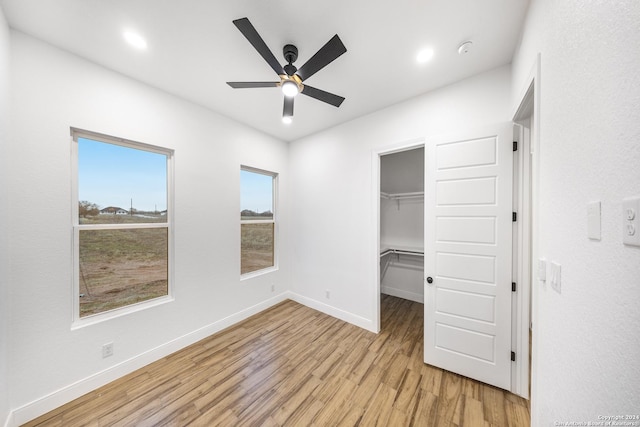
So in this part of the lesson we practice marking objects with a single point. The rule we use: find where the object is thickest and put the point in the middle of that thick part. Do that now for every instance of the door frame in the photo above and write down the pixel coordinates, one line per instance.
(526, 115)
(397, 147)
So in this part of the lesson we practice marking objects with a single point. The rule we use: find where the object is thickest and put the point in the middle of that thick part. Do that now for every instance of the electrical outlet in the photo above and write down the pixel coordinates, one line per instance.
(327, 294)
(107, 350)
(631, 221)
(273, 288)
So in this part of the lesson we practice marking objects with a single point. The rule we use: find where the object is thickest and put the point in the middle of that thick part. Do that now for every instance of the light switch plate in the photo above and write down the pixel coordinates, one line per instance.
(631, 221)
(593, 221)
(555, 276)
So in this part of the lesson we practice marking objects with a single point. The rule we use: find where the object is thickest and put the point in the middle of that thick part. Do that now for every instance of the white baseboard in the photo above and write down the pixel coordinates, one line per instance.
(68, 393)
(354, 319)
(9, 421)
(401, 293)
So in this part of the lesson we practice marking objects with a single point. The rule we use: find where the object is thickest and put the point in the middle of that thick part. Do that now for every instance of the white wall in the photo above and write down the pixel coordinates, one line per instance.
(52, 91)
(402, 222)
(586, 339)
(333, 242)
(402, 172)
(4, 241)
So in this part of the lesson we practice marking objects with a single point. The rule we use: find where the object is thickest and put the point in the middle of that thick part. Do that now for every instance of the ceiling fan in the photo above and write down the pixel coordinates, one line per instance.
(291, 77)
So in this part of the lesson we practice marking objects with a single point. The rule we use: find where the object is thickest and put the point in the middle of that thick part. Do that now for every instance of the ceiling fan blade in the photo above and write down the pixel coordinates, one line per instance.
(254, 38)
(327, 53)
(287, 111)
(323, 96)
(246, 85)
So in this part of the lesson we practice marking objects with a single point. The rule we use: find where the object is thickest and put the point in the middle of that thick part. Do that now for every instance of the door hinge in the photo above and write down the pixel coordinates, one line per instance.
(515, 145)
(513, 286)
(513, 356)
(514, 216)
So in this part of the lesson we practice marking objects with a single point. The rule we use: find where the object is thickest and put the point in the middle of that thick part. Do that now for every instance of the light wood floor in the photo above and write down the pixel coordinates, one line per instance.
(293, 366)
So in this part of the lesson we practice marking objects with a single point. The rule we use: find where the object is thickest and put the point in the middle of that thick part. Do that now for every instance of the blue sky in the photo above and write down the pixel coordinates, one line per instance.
(256, 191)
(112, 175)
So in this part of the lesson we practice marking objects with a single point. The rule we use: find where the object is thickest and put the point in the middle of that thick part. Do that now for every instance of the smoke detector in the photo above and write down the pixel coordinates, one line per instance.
(465, 47)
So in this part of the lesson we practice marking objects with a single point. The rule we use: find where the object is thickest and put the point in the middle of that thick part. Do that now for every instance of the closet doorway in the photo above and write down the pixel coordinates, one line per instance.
(401, 218)
(464, 238)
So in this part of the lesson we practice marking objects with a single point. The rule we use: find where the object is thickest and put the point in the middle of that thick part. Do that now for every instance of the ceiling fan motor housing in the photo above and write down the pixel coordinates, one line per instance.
(290, 55)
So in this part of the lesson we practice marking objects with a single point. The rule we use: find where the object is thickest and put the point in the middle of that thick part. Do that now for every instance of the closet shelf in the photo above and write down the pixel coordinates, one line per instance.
(402, 196)
(399, 196)
(398, 250)
(401, 250)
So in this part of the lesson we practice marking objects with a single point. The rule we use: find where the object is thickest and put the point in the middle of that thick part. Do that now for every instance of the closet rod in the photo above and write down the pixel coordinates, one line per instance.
(392, 196)
(401, 252)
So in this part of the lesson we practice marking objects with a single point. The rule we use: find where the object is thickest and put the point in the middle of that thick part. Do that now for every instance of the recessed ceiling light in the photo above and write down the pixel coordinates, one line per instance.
(424, 55)
(135, 40)
(287, 120)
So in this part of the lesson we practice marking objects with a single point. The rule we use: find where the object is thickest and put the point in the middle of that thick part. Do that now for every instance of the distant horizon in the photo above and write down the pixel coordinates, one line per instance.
(128, 209)
(255, 211)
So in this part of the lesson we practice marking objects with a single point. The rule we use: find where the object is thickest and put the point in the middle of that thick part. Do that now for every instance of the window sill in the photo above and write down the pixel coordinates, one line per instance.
(119, 312)
(251, 275)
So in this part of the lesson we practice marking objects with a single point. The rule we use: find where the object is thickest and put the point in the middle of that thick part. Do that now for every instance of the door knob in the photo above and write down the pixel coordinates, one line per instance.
(429, 280)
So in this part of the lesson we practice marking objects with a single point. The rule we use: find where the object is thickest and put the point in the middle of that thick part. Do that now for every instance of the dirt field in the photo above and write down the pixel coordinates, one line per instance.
(256, 248)
(121, 267)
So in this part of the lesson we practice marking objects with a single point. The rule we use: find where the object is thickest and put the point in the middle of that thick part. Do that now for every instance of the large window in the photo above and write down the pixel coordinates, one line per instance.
(121, 224)
(257, 220)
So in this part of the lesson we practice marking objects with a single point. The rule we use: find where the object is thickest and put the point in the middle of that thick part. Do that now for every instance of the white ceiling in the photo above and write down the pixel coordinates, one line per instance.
(194, 48)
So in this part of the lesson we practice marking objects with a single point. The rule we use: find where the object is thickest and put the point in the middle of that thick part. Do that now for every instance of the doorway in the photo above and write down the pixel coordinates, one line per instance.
(466, 231)
(408, 205)
(402, 224)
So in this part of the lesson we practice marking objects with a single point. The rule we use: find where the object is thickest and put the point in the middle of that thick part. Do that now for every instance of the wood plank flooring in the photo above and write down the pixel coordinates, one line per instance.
(293, 366)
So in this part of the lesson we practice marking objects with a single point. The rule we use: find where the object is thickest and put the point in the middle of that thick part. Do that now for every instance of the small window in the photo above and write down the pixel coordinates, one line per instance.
(121, 227)
(257, 220)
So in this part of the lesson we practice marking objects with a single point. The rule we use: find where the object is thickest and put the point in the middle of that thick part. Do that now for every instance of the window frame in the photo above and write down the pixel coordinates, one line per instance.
(273, 220)
(76, 320)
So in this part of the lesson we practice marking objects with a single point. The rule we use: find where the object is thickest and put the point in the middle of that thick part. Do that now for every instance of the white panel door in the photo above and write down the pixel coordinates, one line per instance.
(468, 250)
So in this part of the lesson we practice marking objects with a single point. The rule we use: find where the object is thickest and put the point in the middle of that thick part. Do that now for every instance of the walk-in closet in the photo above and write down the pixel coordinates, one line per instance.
(402, 224)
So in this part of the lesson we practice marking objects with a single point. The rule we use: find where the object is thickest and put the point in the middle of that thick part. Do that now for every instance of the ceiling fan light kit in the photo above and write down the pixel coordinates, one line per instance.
(289, 88)
(291, 78)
